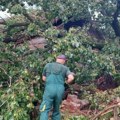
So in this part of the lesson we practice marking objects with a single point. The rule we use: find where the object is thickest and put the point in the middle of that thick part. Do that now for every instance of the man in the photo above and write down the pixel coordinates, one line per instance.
(54, 75)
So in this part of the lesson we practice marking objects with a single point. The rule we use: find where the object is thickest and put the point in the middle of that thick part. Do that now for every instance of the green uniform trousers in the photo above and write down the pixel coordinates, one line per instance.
(52, 98)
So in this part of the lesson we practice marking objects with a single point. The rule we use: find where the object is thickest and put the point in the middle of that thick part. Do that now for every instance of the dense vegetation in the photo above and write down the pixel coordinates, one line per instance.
(92, 46)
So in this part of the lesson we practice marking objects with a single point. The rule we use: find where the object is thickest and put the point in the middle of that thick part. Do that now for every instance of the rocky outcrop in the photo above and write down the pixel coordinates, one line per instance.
(74, 105)
(38, 42)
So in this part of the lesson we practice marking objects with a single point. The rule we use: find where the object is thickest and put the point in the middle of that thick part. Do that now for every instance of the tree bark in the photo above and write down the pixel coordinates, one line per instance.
(115, 23)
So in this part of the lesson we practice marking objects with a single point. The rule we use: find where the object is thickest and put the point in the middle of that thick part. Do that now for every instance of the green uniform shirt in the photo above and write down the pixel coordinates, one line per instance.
(55, 73)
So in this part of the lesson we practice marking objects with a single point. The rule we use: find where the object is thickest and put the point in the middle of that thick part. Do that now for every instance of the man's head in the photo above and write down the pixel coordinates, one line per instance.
(61, 59)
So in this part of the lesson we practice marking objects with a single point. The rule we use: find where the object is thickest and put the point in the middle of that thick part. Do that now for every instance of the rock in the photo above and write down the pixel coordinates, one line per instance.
(71, 97)
(84, 103)
(37, 42)
(74, 99)
(73, 105)
(76, 87)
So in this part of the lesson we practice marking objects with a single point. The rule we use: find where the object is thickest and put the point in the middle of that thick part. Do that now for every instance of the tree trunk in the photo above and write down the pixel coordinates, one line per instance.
(115, 23)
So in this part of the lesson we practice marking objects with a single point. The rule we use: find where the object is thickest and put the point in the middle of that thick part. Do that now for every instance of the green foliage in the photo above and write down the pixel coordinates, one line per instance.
(112, 49)
(83, 60)
(81, 117)
(67, 7)
(17, 9)
(101, 12)
(20, 84)
(17, 101)
(1, 36)
(32, 29)
(21, 68)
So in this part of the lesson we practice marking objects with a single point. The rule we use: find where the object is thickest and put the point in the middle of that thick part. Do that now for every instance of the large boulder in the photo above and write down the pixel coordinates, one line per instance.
(37, 42)
(73, 104)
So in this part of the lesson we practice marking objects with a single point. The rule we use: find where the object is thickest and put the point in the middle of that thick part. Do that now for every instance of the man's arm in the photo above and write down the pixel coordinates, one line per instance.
(44, 73)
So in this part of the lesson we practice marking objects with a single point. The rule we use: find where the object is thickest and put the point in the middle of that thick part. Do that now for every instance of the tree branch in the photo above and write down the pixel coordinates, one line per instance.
(115, 22)
(19, 25)
(28, 16)
(10, 78)
(3, 103)
(16, 25)
(103, 111)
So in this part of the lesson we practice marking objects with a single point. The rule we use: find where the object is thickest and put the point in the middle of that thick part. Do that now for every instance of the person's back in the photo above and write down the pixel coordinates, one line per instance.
(54, 75)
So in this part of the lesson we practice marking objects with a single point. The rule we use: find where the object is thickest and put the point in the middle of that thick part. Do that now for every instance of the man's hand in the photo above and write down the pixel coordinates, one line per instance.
(70, 78)
(44, 78)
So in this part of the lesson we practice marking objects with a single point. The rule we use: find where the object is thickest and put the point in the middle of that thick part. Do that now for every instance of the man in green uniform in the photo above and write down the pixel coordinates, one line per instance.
(54, 75)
